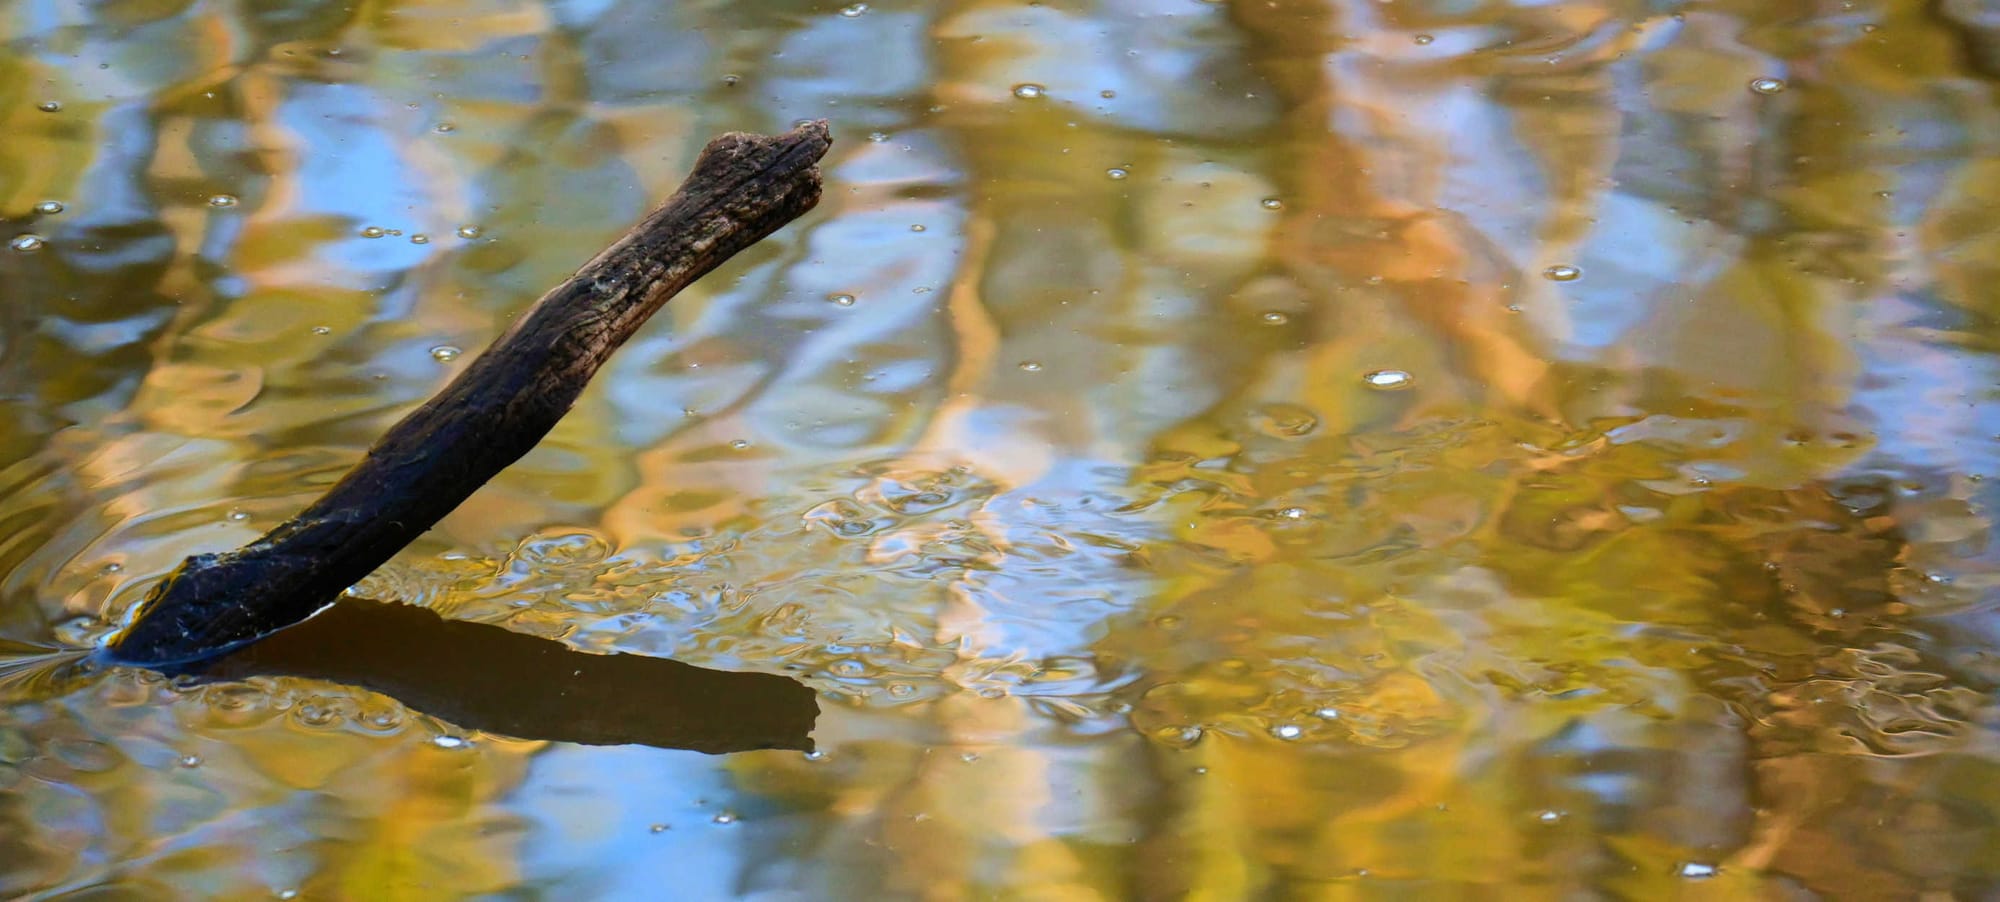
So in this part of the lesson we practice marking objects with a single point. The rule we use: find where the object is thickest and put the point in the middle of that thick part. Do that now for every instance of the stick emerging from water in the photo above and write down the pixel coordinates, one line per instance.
(743, 188)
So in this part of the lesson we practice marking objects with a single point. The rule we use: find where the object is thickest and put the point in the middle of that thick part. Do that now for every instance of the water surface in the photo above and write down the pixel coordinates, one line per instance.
(1277, 449)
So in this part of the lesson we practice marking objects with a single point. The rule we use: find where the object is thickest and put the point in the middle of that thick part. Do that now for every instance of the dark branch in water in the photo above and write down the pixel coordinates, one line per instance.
(743, 188)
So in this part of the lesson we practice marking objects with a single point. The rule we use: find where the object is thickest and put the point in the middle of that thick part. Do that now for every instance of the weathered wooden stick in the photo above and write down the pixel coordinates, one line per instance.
(743, 188)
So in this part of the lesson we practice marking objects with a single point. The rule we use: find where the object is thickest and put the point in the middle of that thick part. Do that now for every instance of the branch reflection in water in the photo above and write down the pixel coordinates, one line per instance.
(488, 678)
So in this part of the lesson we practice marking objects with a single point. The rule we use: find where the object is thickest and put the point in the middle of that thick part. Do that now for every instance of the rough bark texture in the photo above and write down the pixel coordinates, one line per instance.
(743, 188)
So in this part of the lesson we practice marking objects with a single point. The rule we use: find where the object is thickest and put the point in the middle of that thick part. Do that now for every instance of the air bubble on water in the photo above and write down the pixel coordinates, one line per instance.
(1107, 93)
(1562, 272)
(1423, 39)
(1180, 736)
(420, 238)
(725, 817)
(49, 207)
(1115, 173)
(190, 761)
(1549, 817)
(1328, 713)
(657, 828)
(1272, 203)
(444, 128)
(1030, 366)
(27, 242)
(1388, 380)
(918, 227)
(968, 757)
(468, 231)
(1695, 870)
(739, 444)
(373, 231)
(287, 894)
(853, 10)
(816, 755)
(49, 106)
(113, 567)
(902, 690)
(1029, 91)
(316, 714)
(445, 353)
(451, 742)
(1767, 85)
(1287, 731)
(877, 137)
(322, 330)
(731, 80)
(841, 300)
(222, 200)
(239, 515)
(1292, 513)
(847, 667)
(1275, 318)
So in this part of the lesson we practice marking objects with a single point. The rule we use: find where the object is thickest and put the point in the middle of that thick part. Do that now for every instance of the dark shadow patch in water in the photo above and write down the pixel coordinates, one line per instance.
(488, 678)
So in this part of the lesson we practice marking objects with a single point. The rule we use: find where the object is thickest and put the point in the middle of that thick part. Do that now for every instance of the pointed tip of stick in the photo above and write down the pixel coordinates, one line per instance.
(816, 130)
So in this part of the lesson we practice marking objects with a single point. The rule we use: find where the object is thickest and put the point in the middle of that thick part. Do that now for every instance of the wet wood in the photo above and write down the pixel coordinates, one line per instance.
(742, 188)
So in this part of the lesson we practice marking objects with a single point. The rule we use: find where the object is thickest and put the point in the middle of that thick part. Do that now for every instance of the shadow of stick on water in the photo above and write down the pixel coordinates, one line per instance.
(487, 678)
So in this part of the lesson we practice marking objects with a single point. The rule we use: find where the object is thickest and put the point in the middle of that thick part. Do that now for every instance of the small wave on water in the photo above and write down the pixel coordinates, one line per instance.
(30, 671)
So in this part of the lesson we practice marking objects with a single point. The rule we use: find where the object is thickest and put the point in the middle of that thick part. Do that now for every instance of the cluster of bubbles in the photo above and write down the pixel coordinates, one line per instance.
(464, 231)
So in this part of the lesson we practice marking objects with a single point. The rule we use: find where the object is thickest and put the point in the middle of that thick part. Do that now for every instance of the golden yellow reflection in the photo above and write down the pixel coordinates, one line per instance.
(1216, 450)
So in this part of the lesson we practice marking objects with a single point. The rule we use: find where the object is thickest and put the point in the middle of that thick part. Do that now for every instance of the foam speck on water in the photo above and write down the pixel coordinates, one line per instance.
(1388, 380)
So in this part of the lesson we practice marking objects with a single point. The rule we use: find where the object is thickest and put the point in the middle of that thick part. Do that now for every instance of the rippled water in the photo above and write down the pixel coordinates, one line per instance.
(1292, 449)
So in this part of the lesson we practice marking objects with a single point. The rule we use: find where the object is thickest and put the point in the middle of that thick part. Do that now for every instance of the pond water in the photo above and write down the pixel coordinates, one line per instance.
(1261, 449)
